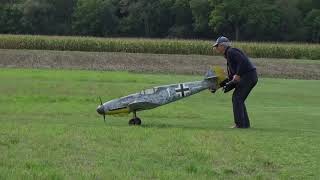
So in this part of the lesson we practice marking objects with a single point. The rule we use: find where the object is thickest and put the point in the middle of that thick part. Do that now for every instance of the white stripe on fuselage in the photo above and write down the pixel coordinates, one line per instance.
(168, 92)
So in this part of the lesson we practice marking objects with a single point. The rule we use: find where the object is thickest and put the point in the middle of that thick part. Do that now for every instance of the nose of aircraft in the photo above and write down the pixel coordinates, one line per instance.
(100, 110)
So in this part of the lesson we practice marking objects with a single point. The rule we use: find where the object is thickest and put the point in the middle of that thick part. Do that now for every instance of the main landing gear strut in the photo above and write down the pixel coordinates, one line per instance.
(135, 120)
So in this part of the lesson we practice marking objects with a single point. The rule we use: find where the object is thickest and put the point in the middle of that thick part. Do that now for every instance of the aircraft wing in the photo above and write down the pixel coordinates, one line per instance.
(142, 105)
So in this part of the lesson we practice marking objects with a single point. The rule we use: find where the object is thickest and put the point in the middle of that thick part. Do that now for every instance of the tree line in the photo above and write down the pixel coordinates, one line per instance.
(246, 20)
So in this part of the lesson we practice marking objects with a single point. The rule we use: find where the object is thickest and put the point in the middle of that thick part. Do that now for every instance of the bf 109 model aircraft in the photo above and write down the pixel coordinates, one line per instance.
(160, 95)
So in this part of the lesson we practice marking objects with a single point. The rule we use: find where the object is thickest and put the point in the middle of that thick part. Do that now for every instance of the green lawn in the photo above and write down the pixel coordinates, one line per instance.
(49, 129)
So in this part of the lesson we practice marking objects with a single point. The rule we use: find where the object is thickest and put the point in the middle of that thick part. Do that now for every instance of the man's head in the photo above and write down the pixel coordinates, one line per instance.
(221, 44)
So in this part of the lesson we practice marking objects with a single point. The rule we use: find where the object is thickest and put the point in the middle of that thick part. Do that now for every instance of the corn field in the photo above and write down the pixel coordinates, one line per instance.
(156, 46)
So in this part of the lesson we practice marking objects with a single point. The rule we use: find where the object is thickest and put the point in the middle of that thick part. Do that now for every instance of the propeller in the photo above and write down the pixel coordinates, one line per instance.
(104, 115)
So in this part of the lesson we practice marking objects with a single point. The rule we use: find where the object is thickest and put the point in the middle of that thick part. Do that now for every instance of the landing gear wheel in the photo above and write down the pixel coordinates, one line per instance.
(137, 121)
(132, 122)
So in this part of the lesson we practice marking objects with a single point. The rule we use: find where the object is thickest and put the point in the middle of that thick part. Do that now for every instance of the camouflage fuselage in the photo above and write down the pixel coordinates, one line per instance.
(156, 96)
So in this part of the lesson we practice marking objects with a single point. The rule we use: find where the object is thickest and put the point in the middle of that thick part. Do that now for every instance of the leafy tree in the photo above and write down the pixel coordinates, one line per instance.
(10, 16)
(228, 17)
(316, 4)
(276, 20)
(263, 22)
(291, 22)
(63, 10)
(10, 2)
(312, 21)
(38, 16)
(200, 12)
(135, 20)
(146, 18)
(182, 20)
(304, 6)
(95, 17)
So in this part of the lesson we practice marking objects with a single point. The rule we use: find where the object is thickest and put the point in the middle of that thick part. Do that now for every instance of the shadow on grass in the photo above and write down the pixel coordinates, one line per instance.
(166, 126)
(213, 127)
(228, 129)
(184, 126)
(284, 130)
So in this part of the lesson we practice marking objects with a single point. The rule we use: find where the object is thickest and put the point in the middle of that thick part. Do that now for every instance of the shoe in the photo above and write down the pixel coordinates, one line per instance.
(234, 126)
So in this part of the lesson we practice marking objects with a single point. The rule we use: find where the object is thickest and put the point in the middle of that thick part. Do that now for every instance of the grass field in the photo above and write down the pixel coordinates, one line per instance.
(49, 129)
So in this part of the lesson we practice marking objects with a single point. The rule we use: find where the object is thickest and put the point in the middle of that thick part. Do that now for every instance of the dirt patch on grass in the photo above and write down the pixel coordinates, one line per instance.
(151, 63)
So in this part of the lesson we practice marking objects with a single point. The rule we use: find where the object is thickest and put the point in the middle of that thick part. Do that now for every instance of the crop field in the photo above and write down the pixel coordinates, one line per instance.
(49, 129)
(156, 46)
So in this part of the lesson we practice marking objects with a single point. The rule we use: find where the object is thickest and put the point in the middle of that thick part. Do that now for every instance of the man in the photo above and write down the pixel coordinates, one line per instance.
(242, 76)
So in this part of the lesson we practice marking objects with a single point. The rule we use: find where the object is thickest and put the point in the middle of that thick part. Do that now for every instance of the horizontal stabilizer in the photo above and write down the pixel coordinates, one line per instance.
(210, 75)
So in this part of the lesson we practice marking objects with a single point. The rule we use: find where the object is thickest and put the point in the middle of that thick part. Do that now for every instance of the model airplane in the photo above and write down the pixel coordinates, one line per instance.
(160, 95)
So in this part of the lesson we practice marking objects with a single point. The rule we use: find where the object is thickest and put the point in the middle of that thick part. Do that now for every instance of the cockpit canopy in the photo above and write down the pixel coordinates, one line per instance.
(149, 91)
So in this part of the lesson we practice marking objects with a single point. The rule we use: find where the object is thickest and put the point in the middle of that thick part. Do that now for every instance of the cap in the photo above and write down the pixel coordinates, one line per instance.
(220, 40)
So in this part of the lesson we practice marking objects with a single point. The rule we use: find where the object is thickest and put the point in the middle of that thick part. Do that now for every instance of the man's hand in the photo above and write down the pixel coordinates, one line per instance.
(224, 82)
(229, 86)
(236, 78)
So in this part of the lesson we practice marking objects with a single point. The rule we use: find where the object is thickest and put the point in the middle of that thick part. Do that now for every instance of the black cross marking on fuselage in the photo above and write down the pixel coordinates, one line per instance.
(182, 90)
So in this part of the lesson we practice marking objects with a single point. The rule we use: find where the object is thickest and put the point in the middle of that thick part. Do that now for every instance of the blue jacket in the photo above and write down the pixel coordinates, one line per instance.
(238, 63)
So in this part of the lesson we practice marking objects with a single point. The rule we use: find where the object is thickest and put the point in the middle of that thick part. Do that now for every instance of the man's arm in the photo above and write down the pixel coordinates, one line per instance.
(236, 58)
(236, 78)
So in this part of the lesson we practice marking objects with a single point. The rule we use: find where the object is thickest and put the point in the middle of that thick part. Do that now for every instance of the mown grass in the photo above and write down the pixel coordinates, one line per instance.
(156, 46)
(50, 130)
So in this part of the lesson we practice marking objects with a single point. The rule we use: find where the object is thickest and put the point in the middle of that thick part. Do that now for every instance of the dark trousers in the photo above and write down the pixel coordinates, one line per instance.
(240, 94)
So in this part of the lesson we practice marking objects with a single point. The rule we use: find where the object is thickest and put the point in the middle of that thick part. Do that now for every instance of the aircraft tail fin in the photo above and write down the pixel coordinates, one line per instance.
(217, 74)
(220, 73)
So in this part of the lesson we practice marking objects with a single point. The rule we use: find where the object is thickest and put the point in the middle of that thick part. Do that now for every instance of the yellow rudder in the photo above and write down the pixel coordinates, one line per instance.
(220, 73)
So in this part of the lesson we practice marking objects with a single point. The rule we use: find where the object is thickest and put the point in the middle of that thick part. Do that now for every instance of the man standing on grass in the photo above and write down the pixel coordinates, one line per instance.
(242, 77)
